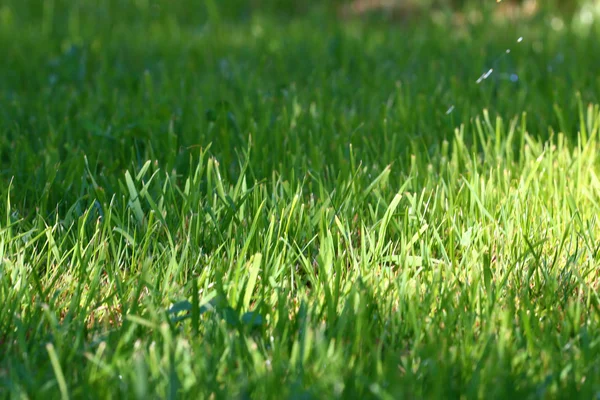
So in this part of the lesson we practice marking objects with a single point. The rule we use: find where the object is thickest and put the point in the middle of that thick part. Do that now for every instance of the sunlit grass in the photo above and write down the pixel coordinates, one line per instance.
(296, 209)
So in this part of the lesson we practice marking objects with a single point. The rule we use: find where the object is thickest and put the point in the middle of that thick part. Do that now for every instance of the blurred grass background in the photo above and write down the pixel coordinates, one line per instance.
(200, 11)
(122, 82)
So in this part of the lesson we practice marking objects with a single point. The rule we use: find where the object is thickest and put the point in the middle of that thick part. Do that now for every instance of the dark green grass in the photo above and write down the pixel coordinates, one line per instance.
(200, 203)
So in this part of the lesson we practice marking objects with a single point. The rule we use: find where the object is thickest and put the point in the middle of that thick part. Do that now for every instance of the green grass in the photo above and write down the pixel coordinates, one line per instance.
(206, 204)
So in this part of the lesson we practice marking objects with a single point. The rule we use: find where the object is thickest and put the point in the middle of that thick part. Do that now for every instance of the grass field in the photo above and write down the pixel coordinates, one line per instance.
(197, 202)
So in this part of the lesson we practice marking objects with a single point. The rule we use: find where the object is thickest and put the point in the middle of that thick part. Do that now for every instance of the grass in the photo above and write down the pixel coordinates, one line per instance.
(199, 204)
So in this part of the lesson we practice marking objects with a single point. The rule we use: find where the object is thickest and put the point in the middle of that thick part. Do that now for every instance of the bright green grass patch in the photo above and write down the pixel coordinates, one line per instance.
(286, 209)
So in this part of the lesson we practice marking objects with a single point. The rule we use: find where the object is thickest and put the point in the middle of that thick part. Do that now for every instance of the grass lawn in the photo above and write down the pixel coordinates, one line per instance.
(199, 201)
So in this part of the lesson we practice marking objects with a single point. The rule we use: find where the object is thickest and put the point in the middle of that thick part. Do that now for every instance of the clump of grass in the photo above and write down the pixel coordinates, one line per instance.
(278, 210)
